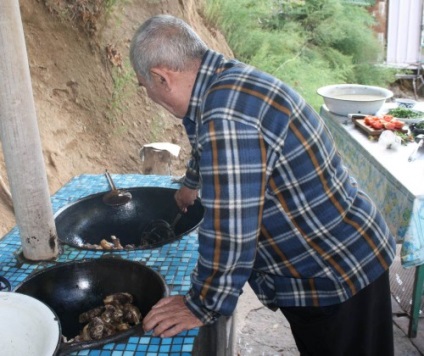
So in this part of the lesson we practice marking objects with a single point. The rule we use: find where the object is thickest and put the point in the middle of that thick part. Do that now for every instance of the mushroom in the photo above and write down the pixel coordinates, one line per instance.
(118, 298)
(95, 328)
(132, 314)
(117, 314)
(112, 314)
(88, 315)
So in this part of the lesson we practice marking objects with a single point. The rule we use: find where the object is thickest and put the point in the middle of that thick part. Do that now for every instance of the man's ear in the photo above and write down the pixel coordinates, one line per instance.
(162, 76)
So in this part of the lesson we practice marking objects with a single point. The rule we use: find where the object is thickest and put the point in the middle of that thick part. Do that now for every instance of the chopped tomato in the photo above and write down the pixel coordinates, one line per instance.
(377, 125)
(389, 126)
(398, 124)
(387, 122)
(368, 120)
(387, 118)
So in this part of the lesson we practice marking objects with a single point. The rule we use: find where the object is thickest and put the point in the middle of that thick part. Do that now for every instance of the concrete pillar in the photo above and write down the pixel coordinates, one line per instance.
(21, 141)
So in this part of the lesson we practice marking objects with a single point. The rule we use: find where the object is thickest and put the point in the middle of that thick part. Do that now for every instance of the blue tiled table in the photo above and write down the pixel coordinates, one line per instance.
(395, 185)
(173, 261)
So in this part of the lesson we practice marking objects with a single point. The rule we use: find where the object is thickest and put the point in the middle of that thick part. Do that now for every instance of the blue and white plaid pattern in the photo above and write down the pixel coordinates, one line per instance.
(281, 209)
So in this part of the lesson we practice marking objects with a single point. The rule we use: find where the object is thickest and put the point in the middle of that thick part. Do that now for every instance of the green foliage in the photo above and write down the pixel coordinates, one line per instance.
(110, 3)
(307, 44)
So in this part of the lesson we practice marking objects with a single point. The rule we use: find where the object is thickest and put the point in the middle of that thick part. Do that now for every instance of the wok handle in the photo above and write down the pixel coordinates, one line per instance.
(176, 219)
(5, 285)
(109, 179)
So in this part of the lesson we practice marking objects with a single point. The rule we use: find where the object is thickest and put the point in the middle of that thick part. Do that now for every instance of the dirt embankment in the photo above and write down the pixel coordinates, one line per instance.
(91, 116)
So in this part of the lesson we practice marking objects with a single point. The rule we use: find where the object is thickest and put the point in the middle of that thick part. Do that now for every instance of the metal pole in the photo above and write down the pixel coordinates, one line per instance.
(21, 141)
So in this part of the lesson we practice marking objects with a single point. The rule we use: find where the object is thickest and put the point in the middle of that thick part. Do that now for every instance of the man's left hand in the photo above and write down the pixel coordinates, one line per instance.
(169, 317)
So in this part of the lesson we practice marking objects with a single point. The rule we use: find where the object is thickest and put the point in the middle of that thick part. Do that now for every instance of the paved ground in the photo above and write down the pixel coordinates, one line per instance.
(261, 332)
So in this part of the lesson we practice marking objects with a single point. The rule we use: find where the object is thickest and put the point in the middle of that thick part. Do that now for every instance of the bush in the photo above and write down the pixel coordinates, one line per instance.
(307, 44)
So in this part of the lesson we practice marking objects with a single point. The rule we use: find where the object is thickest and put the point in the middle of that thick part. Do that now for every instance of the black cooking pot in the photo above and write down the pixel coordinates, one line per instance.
(90, 220)
(75, 287)
(417, 128)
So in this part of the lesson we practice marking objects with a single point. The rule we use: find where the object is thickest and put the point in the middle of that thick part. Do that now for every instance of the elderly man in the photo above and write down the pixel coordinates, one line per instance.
(281, 211)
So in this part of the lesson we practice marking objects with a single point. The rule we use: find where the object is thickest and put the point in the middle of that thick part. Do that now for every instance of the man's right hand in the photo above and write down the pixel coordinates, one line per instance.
(185, 197)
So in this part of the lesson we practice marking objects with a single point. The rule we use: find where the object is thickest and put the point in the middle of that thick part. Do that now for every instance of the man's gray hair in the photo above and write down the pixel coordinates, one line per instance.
(166, 41)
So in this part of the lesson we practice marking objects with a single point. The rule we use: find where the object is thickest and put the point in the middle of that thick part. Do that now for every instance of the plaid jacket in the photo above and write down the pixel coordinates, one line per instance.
(282, 211)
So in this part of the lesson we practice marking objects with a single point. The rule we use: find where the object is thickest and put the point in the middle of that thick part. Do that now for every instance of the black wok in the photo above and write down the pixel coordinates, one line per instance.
(90, 220)
(72, 288)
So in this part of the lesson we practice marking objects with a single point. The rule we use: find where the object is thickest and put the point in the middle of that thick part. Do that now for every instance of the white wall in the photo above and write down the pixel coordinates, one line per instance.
(404, 32)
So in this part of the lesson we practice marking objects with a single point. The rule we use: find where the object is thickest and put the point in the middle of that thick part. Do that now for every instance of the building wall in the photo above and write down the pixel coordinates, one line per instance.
(404, 32)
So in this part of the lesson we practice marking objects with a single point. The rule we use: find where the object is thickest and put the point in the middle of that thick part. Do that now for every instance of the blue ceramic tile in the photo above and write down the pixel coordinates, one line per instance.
(134, 340)
(174, 261)
(153, 348)
(177, 340)
(128, 353)
(117, 353)
(131, 347)
(176, 348)
(155, 341)
(187, 348)
(142, 347)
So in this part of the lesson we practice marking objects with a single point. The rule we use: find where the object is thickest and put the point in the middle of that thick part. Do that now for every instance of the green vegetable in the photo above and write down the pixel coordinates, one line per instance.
(403, 113)
(419, 125)
(405, 138)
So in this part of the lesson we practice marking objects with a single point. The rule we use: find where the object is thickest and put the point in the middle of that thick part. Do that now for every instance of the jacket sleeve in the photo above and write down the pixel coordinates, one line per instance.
(232, 166)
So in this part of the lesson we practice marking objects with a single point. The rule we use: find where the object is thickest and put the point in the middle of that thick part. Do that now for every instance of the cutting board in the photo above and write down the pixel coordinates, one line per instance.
(360, 123)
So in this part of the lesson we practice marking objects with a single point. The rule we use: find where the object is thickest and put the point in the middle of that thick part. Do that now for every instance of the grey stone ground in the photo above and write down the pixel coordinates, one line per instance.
(261, 332)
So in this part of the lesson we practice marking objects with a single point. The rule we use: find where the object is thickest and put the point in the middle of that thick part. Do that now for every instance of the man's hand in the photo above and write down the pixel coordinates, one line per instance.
(185, 197)
(169, 317)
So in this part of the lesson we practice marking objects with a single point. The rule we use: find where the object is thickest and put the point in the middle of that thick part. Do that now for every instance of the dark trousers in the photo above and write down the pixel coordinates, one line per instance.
(361, 326)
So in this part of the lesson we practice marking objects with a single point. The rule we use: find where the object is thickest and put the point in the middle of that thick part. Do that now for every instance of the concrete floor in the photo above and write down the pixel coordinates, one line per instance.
(261, 332)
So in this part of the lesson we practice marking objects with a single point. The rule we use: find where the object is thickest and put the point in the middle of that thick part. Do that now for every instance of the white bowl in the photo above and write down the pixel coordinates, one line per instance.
(405, 103)
(27, 326)
(344, 99)
(410, 120)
